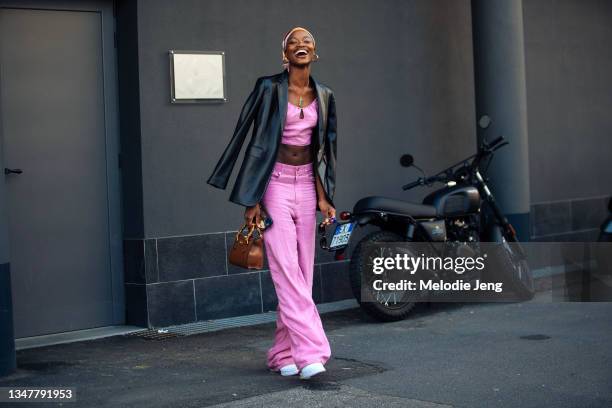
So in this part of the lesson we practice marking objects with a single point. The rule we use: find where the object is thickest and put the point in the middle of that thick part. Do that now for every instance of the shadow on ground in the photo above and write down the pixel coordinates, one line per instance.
(197, 370)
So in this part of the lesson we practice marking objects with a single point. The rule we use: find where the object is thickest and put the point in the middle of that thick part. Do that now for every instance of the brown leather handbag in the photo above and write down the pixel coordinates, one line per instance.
(248, 248)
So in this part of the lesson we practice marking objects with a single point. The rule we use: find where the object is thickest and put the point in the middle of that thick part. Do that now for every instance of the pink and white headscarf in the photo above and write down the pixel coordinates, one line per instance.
(284, 43)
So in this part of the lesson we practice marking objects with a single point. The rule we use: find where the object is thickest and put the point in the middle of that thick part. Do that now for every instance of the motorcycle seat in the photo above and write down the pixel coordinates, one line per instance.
(391, 205)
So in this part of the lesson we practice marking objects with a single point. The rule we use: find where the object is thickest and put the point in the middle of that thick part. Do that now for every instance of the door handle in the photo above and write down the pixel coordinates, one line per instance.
(8, 171)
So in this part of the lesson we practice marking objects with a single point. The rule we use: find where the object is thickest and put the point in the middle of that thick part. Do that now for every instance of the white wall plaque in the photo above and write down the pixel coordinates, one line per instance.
(197, 76)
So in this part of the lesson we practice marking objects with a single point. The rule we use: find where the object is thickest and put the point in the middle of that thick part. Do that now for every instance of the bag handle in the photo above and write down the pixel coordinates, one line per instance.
(251, 230)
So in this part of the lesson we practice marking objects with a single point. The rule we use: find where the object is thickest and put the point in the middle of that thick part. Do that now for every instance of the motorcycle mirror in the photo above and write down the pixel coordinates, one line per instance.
(484, 121)
(406, 160)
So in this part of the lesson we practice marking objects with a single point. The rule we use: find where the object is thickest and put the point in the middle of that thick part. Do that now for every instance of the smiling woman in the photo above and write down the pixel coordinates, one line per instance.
(288, 171)
(300, 344)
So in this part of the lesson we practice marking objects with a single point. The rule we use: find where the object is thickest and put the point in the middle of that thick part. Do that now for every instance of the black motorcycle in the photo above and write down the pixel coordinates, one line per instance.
(461, 213)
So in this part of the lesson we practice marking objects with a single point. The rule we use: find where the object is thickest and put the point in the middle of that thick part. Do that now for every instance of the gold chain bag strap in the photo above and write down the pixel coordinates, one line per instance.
(248, 248)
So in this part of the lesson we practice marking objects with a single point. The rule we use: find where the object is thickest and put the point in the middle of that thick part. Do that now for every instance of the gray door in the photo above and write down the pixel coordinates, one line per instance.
(62, 207)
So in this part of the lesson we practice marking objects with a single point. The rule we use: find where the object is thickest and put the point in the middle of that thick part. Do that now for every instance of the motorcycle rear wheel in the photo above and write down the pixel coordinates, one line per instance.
(382, 311)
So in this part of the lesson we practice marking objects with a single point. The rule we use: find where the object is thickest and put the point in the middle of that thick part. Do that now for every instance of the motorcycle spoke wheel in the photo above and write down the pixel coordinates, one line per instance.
(388, 305)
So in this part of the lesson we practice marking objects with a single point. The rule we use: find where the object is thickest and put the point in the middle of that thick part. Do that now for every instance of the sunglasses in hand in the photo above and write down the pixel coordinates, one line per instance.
(322, 225)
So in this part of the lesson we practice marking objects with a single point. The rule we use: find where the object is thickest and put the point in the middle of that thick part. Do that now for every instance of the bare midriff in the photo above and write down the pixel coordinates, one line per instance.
(294, 155)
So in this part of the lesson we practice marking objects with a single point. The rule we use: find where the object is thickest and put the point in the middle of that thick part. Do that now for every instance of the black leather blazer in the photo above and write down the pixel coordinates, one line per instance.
(266, 106)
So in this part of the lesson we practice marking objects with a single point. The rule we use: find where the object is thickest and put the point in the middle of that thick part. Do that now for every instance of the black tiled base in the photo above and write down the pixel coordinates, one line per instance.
(335, 281)
(550, 218)
(589, 213)
(569, 220)
(171, 303)
(228, 296)
(177, 280)
(191, 257)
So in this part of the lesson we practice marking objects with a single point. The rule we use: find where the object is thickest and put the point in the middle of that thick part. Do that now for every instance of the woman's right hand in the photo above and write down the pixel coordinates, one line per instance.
(253, 212)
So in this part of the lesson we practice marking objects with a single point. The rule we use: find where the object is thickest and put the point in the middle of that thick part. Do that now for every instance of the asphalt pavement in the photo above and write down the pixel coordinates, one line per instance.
(542, 353)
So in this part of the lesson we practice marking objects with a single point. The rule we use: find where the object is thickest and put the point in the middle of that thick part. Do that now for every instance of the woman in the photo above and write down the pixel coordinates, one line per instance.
(289, 168)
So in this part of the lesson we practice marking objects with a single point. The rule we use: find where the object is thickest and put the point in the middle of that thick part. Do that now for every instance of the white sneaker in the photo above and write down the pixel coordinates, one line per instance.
(288, 370)
(311, 370)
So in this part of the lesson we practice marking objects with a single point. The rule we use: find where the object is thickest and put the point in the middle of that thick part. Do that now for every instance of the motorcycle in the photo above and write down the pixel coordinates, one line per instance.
(462, 213)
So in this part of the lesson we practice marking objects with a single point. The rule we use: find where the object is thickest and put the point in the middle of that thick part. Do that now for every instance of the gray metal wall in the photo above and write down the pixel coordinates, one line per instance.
(403, 76)
(568, 46)
(401, 71)
(568, 58)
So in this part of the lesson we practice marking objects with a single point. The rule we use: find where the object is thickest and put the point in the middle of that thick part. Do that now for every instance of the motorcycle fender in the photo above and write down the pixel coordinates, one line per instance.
(492, 233)
(364, 219)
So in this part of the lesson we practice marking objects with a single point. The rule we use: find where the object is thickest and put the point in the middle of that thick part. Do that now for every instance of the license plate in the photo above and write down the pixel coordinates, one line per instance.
(341, 236)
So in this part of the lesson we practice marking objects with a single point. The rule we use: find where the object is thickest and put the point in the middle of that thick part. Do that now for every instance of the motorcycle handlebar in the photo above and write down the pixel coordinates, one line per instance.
(413, 184)
(487, 148)
(499, 146)
(496, 141)
(484, 151)
(421, 181)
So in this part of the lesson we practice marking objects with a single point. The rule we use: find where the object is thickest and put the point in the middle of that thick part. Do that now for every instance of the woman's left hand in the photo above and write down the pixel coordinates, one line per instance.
(327, 209)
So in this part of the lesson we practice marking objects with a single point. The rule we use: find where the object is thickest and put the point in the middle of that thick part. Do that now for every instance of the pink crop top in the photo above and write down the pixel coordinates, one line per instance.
(299, 131)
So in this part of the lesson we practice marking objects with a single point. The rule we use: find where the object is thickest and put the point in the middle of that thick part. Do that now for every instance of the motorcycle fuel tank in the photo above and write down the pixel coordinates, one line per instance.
(455, 201)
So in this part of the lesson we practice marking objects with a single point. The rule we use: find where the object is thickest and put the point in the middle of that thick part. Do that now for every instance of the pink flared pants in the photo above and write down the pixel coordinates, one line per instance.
(291, 201)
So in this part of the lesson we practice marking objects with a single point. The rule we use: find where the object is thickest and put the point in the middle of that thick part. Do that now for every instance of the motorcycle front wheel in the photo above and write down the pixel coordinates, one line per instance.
(517, 273)
(386, 305)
